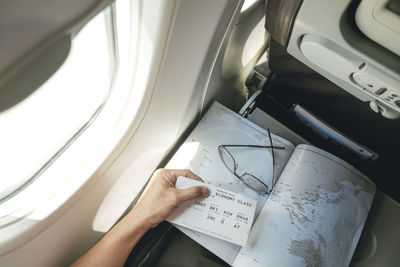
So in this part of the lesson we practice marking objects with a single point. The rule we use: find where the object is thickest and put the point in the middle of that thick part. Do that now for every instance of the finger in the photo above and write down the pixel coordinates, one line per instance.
(185, 173)
(192, 193)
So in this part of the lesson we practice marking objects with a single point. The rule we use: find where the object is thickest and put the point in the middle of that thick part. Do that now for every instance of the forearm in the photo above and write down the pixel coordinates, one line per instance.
(158, 200)
(114, 248)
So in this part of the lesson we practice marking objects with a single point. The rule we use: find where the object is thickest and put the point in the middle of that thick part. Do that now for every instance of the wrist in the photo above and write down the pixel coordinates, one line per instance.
(129, 230)
(141, 218)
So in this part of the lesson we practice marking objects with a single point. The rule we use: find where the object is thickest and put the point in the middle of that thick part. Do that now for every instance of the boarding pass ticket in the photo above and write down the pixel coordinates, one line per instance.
(223, 214)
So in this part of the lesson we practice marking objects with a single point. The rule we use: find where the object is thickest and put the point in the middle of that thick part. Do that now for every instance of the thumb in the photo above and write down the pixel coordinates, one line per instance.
(192, 193)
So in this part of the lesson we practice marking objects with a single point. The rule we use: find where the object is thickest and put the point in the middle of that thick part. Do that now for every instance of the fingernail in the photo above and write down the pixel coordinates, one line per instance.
(205, 191)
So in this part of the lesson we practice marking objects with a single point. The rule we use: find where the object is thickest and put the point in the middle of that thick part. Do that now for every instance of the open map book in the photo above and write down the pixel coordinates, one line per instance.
(313, 217)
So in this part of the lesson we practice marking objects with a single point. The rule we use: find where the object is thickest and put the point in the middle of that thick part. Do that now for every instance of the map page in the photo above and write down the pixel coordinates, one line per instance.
(313, 217)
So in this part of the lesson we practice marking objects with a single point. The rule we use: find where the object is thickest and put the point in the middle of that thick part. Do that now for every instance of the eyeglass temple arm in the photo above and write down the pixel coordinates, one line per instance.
(273, 159)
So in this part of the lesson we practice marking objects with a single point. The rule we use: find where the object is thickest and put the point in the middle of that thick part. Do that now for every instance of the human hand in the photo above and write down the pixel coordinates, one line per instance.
(158, 200)
(161, 197)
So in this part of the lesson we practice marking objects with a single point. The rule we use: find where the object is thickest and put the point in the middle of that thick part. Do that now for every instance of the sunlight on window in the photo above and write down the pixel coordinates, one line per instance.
(37, 129)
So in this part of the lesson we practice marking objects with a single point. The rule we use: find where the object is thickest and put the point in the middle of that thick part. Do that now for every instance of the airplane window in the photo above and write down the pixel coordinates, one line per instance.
(38, 129)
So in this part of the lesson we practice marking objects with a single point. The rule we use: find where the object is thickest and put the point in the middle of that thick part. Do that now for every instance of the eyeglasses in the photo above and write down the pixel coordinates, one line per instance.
(247, 178)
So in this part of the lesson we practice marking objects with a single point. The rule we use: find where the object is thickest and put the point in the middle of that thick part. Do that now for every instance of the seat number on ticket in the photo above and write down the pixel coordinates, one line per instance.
(224, 214)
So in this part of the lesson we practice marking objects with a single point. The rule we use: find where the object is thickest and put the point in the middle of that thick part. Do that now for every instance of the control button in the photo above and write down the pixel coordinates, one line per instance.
(380, 91)
(397, 102)
(394, 95)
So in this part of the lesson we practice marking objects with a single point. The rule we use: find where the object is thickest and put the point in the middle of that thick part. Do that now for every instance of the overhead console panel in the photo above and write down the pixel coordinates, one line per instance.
(350, 68)
(324, 35)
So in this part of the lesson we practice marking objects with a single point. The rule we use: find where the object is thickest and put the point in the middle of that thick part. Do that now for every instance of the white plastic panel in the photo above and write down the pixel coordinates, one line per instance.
(350, 68)
(379, 23)
(339, 52)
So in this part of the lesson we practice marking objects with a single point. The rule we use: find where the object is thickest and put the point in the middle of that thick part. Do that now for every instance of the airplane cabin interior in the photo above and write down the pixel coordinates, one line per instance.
(95, 95)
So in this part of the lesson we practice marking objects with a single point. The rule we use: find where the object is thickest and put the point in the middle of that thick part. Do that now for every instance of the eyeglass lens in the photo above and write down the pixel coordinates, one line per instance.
(249, 179)
(254, 183)
(227, 159)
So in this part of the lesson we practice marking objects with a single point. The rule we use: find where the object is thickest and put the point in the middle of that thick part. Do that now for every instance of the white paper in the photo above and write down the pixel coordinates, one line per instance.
(224, 214)
(314, 216)
(199, 153)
